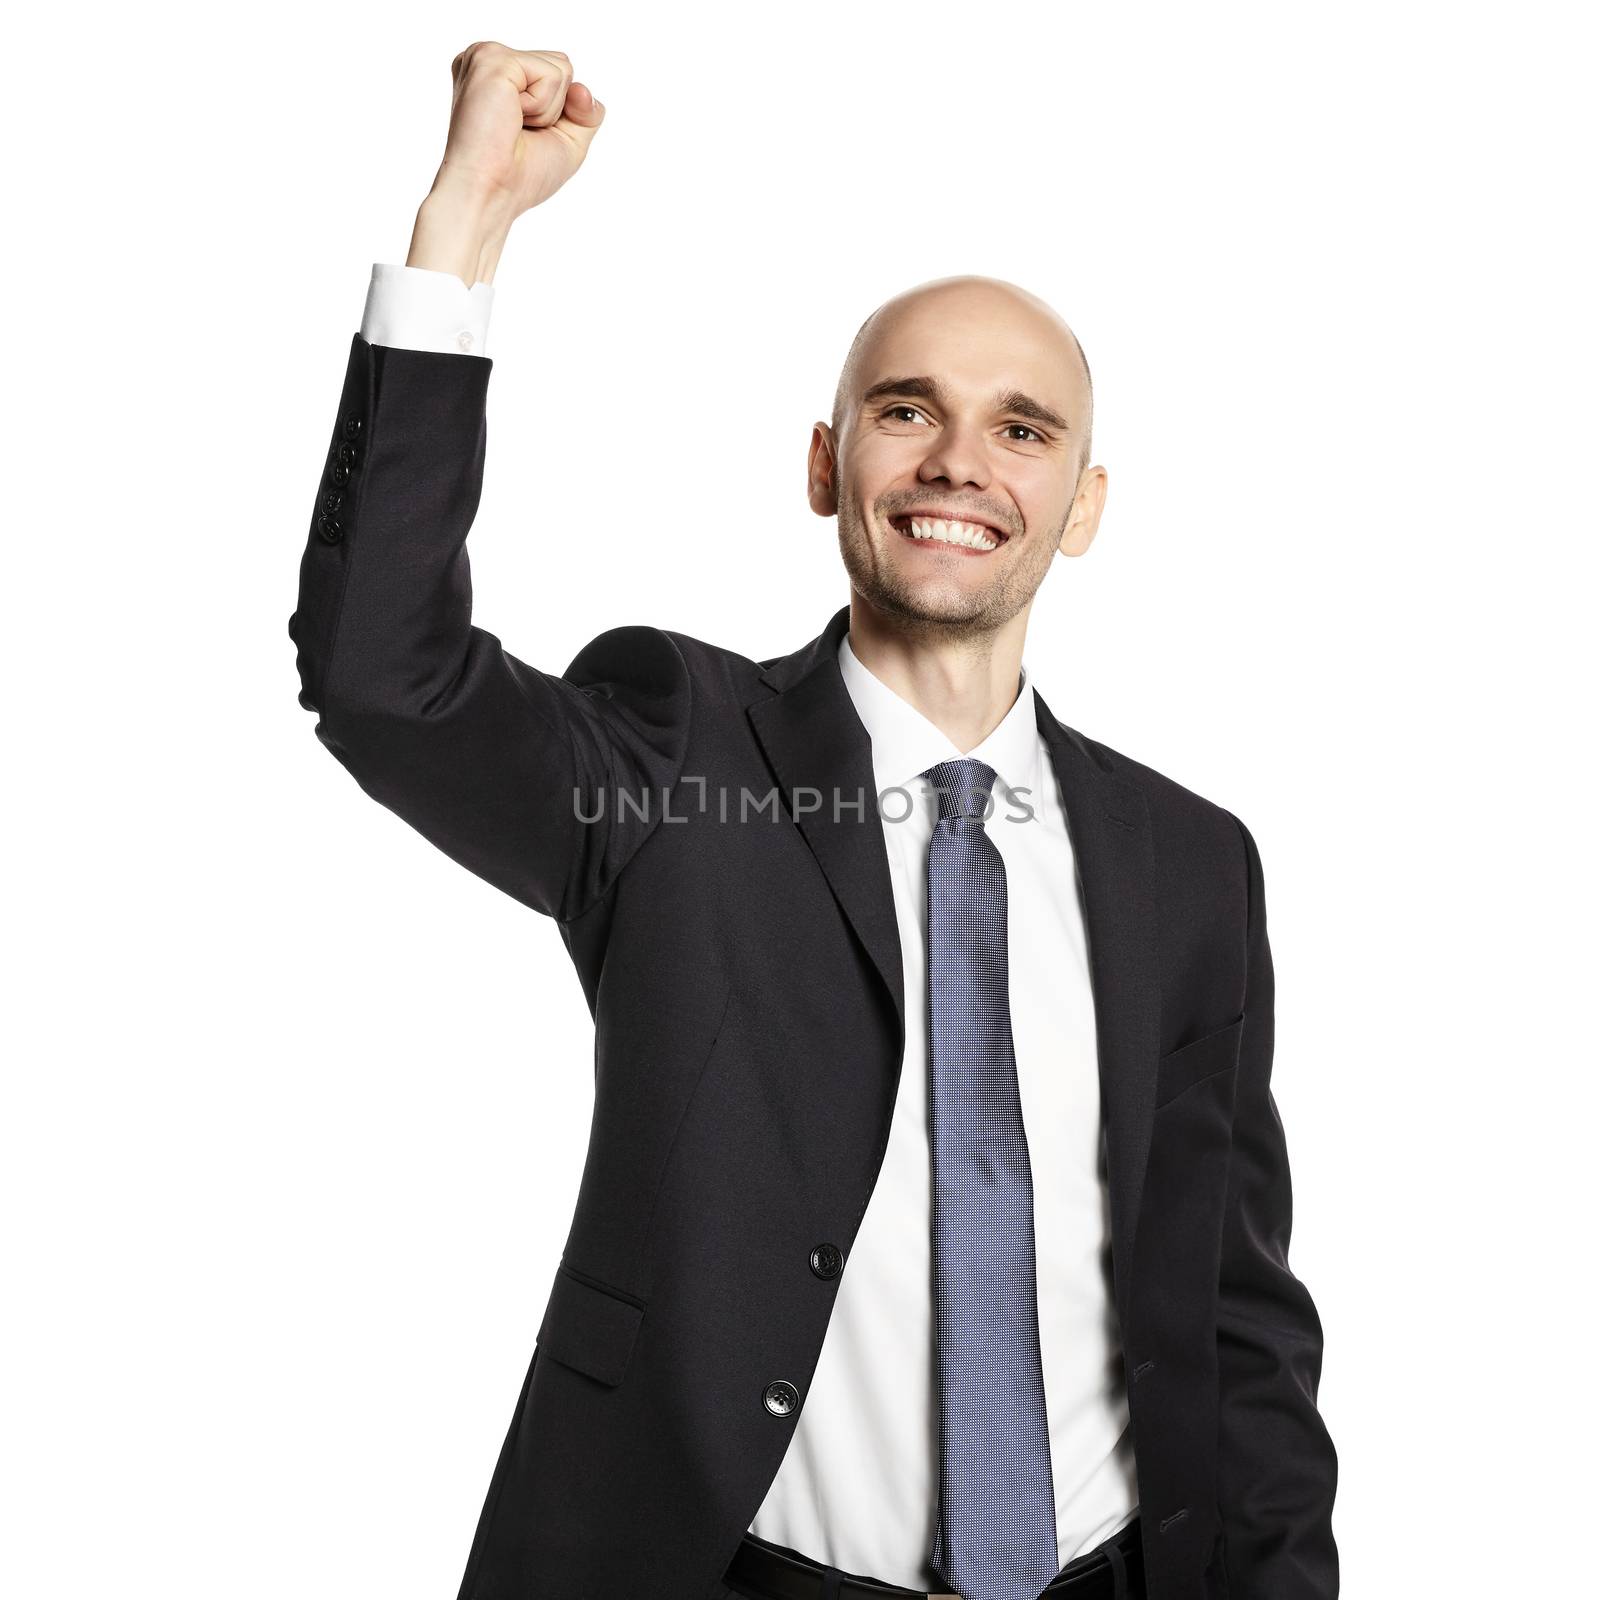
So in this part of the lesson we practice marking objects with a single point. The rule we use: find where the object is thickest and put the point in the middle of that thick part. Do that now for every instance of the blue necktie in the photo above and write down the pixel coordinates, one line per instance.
(996, 1533)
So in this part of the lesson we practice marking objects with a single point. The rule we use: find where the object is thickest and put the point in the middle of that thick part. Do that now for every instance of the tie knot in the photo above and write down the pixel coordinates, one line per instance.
(965, 788)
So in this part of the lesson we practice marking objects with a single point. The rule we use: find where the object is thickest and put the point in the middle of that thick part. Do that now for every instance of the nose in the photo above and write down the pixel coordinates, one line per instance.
(956, 457)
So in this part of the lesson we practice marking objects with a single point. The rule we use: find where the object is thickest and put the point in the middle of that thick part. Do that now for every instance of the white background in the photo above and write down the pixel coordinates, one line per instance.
(295, 1109)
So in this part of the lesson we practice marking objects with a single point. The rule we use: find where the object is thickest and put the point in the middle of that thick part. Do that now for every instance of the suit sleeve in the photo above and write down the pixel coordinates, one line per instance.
(517, 774)
(1276, 1464)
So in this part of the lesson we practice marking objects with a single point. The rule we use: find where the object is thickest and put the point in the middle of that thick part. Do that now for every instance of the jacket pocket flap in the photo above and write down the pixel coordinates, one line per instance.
(589, 1327)
(1204, 1057)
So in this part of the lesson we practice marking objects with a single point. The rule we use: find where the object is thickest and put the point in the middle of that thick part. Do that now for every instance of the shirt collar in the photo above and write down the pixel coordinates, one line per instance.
(905, 743)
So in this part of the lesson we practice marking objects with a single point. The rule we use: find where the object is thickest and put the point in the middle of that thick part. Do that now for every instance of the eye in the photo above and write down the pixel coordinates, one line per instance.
(1026, 429)
(889, 411)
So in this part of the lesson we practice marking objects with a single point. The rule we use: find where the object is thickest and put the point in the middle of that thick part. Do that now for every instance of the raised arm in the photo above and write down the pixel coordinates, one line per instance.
(491, 759)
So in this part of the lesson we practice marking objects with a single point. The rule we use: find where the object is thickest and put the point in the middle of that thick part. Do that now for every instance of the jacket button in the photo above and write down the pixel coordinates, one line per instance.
(352, 426)
(330, 528)
(332, 500)
(338, 475)
(346, 455)
(781, 1398)
(826, 1260)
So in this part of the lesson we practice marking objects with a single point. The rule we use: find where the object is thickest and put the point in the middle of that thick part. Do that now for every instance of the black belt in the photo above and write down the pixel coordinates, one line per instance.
(774, 1572)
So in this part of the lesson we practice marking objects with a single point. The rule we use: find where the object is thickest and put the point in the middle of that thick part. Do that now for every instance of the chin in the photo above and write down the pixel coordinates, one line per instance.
(935, 605)
(929, 601)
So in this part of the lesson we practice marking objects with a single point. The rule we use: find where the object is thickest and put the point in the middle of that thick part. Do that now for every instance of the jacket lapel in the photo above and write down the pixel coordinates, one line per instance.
(1110, 827)
(817, 746)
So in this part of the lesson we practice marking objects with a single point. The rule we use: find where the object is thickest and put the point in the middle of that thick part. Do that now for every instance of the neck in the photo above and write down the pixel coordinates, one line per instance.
(963, 683)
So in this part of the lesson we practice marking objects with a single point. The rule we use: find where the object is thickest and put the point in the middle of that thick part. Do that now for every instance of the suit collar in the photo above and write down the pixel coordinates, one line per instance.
(782, 671)
(819, 748)
(1108, 819)
(821, 754)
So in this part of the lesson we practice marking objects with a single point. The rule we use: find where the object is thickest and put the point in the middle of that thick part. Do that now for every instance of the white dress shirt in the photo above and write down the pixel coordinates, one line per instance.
(419, 309)
(859, 1484)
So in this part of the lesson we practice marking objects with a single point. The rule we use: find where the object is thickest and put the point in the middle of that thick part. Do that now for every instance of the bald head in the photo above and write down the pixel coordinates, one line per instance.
(990, 310)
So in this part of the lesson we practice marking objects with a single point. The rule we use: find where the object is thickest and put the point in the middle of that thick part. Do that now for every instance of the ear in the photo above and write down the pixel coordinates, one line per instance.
(1084, 518)
(822, 472)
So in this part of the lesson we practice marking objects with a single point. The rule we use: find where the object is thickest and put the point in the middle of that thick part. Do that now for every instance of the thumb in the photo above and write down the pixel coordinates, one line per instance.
(581, 113)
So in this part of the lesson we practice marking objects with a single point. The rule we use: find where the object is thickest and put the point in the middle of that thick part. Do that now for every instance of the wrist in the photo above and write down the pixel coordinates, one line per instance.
(460, 228)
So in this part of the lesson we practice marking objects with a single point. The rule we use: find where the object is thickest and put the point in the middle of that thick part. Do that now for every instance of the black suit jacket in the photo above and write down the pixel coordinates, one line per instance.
(745, 982)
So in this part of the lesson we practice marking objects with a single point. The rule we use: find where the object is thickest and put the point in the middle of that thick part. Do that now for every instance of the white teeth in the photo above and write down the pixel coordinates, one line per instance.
(971, 534)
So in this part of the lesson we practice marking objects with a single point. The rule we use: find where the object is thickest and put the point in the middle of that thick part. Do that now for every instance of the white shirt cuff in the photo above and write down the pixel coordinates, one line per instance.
(416, 308)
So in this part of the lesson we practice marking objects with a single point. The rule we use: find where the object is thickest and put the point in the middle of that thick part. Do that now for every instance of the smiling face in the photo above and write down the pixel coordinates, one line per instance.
(957, 458)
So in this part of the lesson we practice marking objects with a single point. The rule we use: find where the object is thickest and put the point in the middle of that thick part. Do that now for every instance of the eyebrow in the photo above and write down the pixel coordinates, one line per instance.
(931, 390)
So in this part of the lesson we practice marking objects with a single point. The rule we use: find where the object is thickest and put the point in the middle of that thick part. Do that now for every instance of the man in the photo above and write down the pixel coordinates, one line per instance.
(933, 1233)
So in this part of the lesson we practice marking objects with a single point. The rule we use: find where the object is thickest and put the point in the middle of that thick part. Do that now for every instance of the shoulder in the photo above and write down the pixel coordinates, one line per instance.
(643, 656)
(1183, 821)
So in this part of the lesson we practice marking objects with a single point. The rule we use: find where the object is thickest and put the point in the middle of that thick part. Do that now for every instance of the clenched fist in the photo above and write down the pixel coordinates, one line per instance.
(520, 126)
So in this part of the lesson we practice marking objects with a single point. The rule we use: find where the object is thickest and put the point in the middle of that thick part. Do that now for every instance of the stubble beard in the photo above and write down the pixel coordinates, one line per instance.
(927, 610)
